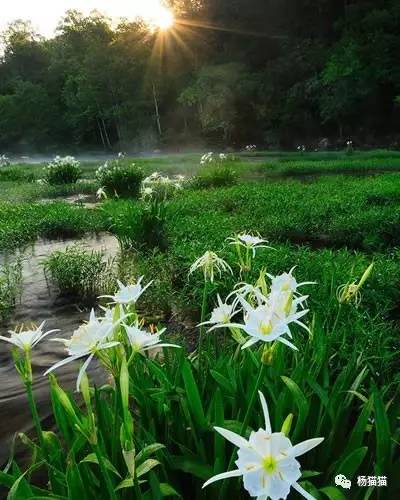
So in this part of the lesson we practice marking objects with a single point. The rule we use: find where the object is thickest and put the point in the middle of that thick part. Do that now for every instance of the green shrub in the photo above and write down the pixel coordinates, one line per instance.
(215, 176)
(119, 179)
(138, 225)
(62, 171)
(80, 272)
(9, 174)
(10, 287)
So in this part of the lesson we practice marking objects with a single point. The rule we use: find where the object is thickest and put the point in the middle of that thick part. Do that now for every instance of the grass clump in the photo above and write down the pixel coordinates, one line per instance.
(10, 287)
(65, 170)
(120, 179)
(82, 273)
(213, 176)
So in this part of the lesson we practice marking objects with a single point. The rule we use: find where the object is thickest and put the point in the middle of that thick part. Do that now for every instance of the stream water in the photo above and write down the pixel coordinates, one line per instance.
(40, 301)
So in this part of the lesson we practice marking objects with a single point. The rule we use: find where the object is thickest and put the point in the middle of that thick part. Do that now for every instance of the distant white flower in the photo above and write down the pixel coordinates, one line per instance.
(128, 294)
(207, 158)
(209, 263)
(267, 461)
(222, 314)
(87, 340)
(248, 241)
(4, 161)
(27, 339)
(142, 340)
(101, 194)
(147, 191)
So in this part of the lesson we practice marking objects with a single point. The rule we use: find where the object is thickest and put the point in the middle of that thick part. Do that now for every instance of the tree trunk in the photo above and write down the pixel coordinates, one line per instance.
(157, 110)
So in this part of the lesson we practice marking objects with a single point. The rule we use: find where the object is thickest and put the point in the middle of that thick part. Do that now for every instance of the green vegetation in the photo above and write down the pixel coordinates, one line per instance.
(215, 176)
(81, 273)
(23, 223)
(127, 430)
(62, 171)
(342, 383)
(120, 179)
(10, 287)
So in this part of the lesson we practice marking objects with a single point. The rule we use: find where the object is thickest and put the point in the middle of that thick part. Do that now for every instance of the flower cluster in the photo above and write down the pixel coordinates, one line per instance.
(4, 161)
(106, 169)
(62, 170)
(210, 158)
(267, 312)
(349, 147)
(207, 158)
(120, 326)
(161, 187)
(118, 178)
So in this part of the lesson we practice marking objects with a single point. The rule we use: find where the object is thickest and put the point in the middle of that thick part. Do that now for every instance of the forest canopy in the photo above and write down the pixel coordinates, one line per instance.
(229, 72)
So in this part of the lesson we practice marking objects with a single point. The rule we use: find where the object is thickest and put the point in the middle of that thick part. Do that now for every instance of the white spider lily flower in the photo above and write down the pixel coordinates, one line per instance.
(87, 340)
(286, 306)
(209, 263)
(267, 461)
(100, 193)
(286, 282)
(142, 341)
(263, 324)
(249, 292)
(249, 241)
(222, 314)
(26, 340)
(129, 294)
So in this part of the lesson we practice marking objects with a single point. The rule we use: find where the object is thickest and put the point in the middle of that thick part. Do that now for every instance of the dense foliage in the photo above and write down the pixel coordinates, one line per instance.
(79, 272)
(232, 72)
(62, 171)
(118, 179)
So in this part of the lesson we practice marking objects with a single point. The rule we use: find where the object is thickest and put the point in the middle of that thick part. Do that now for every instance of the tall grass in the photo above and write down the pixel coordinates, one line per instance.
(10, 287)
(81, 273)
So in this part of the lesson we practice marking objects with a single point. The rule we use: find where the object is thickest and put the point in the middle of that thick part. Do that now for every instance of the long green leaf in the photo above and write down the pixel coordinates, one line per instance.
(193, 396)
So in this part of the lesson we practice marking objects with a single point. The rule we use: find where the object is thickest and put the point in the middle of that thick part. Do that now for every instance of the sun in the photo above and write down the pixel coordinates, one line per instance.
(162, 18)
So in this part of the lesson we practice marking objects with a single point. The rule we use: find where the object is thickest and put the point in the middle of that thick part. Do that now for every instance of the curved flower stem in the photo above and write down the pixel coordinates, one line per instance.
(202, 319)
(104, 473)
(115, 426)
(39, 431)
(35, 415)
(245, 423)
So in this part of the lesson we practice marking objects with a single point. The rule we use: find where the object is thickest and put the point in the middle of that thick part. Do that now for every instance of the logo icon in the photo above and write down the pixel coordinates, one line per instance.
(341, 480)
